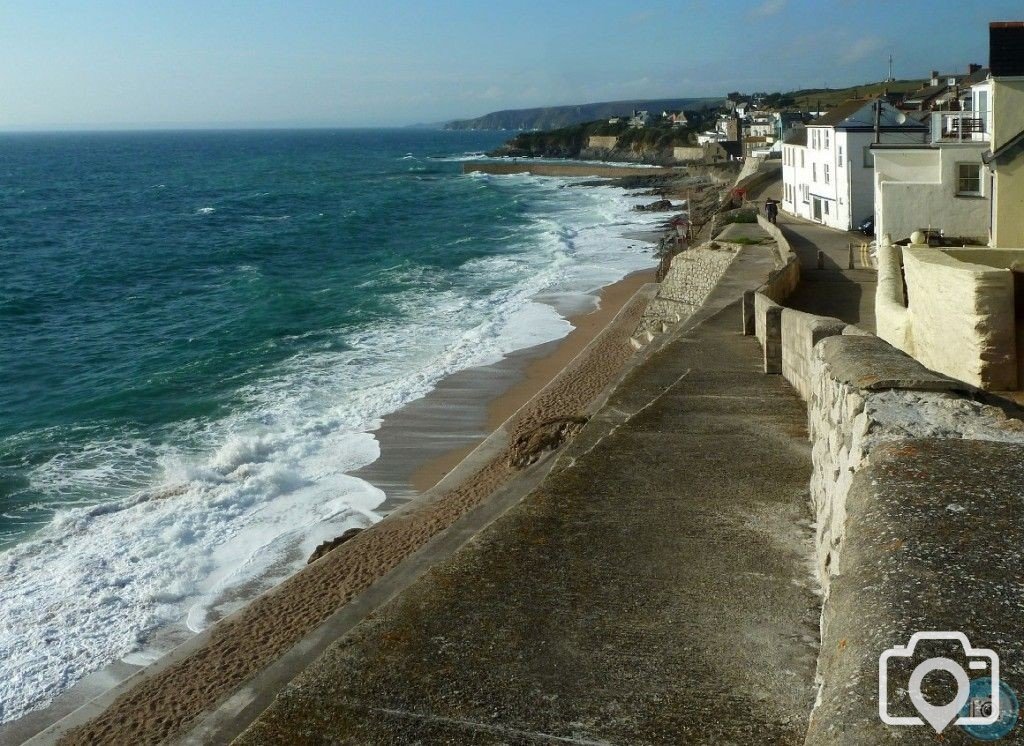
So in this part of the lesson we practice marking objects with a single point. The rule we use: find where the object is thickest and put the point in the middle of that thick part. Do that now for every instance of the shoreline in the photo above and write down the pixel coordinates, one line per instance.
(168, 698)
(424, 441)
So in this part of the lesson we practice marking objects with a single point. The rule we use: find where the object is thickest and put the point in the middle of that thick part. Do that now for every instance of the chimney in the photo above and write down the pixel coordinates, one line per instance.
(1006, 48)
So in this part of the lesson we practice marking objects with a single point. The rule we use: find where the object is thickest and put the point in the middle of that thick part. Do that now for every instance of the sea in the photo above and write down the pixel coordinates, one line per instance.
(199, 333)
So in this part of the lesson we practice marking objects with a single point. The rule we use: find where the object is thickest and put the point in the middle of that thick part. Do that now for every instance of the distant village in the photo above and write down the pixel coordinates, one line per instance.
(869, 164)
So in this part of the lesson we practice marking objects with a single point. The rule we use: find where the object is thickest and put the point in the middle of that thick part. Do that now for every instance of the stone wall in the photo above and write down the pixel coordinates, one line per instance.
(602, 142)
(800, 332)
(958, 317)
(762, 312)
(906, 467)
(525, 166)
(916, 491)
(688, 153)
(687, 284)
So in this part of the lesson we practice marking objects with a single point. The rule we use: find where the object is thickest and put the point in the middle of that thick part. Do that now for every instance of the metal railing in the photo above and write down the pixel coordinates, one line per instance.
(960, 126)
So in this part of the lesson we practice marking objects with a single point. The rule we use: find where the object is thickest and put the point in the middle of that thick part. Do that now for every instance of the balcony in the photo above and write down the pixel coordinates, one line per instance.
(960, 126)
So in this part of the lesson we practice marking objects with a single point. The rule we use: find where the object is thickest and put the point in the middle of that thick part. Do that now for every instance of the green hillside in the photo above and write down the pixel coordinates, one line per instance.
(554, 117)
(810, 98)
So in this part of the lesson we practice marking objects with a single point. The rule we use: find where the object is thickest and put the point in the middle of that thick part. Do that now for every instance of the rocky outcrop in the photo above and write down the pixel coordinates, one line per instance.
(547, 436)
(330, 544)
(661, 205)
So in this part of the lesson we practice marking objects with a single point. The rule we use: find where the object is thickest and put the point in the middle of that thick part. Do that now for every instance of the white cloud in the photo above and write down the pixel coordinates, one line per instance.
(769, 8)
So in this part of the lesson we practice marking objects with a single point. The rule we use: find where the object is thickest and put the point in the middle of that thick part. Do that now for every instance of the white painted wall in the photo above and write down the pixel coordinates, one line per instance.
(834, 175)
(916, 188)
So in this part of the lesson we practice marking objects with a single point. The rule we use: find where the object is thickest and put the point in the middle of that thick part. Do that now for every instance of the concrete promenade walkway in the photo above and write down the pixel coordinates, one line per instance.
(656, 588)
(835, 290)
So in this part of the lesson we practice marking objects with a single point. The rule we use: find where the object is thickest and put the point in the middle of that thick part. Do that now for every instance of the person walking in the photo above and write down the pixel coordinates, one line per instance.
(771, 210)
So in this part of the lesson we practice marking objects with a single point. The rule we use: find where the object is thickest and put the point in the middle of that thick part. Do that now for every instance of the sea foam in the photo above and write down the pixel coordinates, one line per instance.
(239, 502)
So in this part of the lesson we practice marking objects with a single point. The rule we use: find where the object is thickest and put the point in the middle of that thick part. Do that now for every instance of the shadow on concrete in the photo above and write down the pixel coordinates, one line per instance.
(834, 290)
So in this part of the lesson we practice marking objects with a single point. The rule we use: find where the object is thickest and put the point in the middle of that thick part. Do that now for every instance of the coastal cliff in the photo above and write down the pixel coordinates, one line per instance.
(551, 117)
(648, 145)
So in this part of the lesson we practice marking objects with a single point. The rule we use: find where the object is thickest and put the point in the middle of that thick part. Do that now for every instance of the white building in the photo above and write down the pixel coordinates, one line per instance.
(762, 126)
(704, 138)
(940, 185)
(827, 167)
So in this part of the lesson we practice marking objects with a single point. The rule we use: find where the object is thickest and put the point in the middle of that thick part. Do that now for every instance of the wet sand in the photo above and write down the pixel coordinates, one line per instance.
(424, 441)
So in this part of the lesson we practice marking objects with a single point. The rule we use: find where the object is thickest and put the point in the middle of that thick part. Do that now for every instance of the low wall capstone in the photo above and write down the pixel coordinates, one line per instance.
(915, 490)
(908, 478)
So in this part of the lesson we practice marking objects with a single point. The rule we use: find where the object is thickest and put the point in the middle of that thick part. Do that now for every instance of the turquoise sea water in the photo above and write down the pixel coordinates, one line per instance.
(199, 332)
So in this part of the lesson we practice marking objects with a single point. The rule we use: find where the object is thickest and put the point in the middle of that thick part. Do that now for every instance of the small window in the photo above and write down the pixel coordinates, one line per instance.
(802, 159)
(826, 174)
(826, 138)
(826, 206)
(814, 172)
(839, 156)
(968, 179)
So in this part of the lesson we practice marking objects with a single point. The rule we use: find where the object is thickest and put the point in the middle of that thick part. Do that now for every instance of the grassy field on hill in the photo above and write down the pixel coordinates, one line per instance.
(810, 98)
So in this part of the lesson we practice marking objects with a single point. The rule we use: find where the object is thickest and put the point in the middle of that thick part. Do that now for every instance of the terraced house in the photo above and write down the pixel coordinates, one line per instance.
(828, 167)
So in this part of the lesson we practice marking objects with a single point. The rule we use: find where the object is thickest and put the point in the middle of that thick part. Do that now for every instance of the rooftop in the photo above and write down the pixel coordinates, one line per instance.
(797, 137)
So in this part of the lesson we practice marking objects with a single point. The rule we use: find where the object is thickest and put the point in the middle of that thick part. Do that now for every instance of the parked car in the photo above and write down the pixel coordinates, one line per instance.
(867, 226)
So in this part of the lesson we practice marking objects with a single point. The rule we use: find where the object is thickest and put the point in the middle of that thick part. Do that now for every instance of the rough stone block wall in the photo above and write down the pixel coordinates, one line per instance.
(689, 281)
(800, 332)
(846, 422)
(915, 494)
(768, 330)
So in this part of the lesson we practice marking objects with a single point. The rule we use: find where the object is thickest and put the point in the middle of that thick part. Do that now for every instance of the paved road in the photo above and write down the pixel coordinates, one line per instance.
(834, 290)
(655, 589)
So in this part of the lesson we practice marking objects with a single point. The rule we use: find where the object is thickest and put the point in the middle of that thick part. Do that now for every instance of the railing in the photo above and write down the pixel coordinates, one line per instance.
(960, 126)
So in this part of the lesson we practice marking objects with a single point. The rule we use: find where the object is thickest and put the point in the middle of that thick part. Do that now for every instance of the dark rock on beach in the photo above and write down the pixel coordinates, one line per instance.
(330, 544)
(547, 436)
(661, 205)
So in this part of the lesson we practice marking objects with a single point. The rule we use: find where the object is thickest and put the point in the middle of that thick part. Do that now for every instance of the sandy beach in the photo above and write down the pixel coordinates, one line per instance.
(423, 441)
(556, 385)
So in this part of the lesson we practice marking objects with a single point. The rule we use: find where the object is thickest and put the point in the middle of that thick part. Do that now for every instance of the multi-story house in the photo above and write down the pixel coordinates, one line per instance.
(827, 167)
(958, 309)
(939, 185)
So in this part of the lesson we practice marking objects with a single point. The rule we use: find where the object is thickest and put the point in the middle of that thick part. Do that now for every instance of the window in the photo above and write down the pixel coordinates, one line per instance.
(814, 172)
(968, 180)
(826, 174)
(801, 159)
(826, 206)
(825, 133)
(839, 156)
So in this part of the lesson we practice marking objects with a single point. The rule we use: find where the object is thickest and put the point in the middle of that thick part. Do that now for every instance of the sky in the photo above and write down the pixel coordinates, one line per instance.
(211, 63)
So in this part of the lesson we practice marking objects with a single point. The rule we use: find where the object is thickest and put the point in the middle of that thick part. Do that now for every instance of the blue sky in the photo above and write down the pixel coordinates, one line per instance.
(108, 63)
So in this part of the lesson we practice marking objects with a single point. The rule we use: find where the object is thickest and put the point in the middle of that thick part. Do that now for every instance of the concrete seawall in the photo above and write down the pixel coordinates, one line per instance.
(564, 169)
